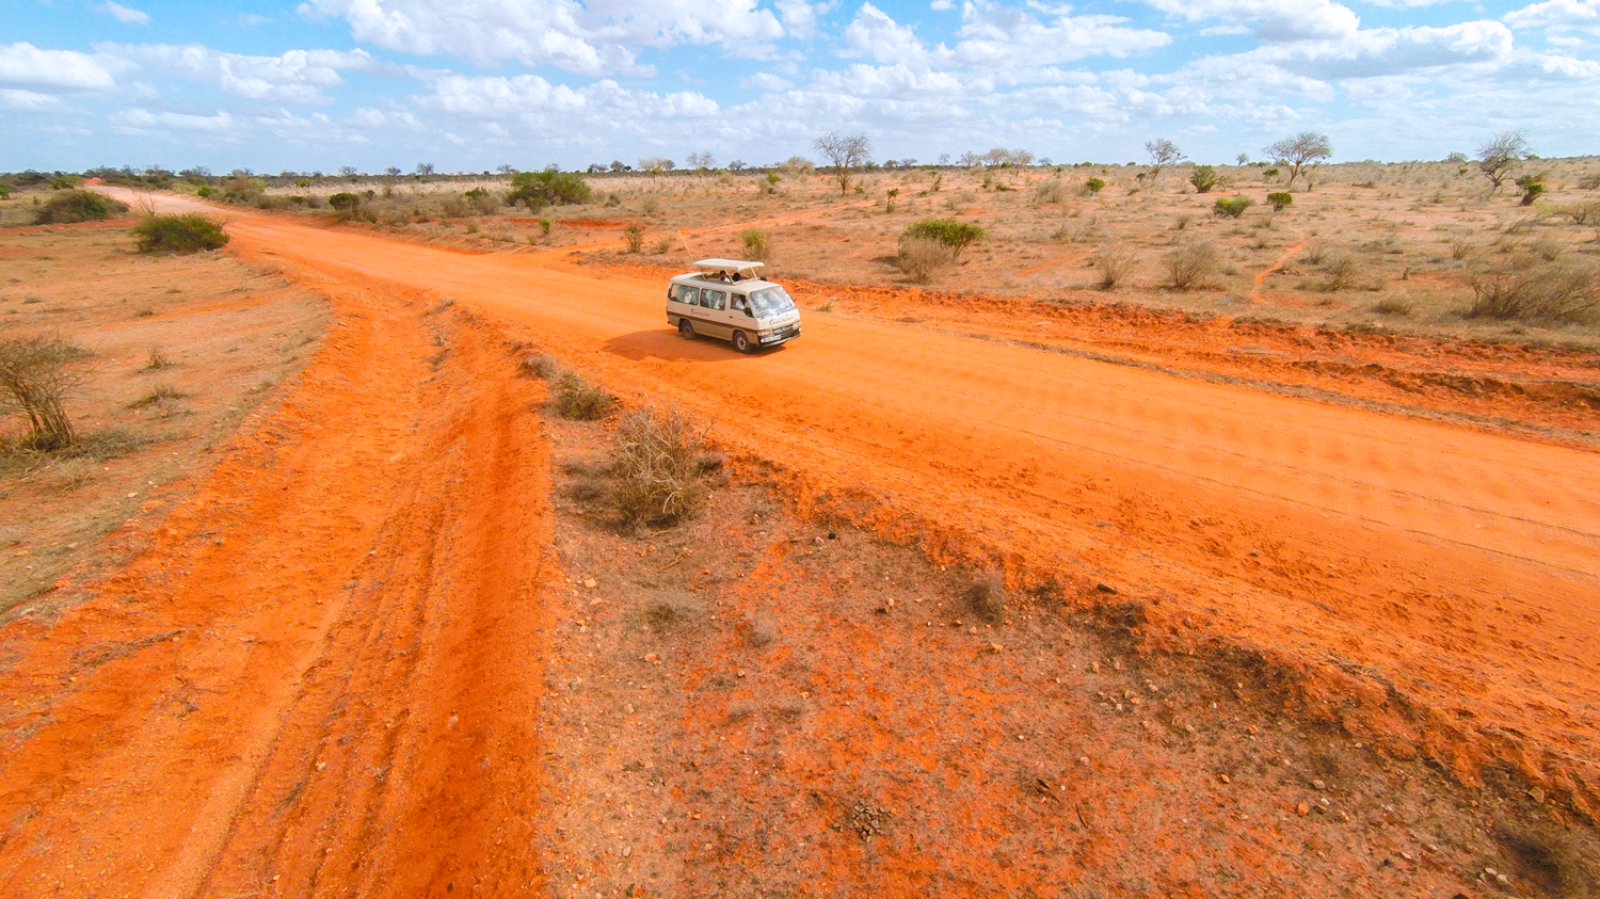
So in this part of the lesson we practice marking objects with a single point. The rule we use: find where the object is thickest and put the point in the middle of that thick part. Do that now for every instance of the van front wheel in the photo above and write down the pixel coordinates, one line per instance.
(741, 342)
(685, 330)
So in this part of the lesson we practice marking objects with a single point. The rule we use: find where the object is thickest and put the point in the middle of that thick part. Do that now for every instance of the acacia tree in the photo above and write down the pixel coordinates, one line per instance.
(1162, 153)
(1498, 156)
(1300, 152)
(655, 166)
(846, 152)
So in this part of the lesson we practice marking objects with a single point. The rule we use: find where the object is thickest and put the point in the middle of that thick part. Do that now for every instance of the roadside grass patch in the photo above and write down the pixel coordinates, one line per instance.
(1537, 290)
(179, 234)
(576, 399)
(71, 206)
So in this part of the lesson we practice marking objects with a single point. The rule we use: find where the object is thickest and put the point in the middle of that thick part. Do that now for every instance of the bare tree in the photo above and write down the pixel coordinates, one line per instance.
(1298, 152)
(36, 373)
(847, 152)
(655, 166)
(1162, 153)
(1498, 156)
(701, 161)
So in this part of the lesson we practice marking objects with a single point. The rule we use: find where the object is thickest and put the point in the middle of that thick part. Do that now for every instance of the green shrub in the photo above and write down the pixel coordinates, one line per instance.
(1232, 207)
(949, 232)
(1094, 185)
(482, 200)
(204, 191)
(1270, 174)
(70, 206)
(5, 191)
(537, 190)
(1203, 178)
(1280, 200)
(344, 201)
(757, 243)
(1531, 188)
(64, 182)
(178, 234)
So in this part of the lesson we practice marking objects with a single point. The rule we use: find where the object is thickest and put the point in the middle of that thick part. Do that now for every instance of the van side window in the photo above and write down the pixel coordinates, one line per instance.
(713, 299)
(683, 293)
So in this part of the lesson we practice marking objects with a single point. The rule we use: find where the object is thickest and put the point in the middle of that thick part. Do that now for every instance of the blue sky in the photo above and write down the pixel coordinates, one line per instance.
(469, 85)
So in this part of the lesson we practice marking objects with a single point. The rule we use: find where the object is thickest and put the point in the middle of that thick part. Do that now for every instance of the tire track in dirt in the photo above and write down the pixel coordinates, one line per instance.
(341, 648)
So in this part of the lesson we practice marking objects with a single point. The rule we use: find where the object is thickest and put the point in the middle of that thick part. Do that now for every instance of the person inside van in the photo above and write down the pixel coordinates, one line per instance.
(741, 305)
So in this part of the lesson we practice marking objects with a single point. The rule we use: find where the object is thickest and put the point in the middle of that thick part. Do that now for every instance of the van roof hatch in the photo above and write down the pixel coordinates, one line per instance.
(747, 268)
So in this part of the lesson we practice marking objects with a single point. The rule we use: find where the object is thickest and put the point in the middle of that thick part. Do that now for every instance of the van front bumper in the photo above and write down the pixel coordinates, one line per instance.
(779, 336)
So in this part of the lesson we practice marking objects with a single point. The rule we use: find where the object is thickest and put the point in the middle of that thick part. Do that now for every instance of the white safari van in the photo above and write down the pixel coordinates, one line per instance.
(728, 299)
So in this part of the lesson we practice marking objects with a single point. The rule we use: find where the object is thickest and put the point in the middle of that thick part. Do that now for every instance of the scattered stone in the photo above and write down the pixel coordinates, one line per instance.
(1106, 588)
(1302, 809)
(589, 582)
(1225, 778)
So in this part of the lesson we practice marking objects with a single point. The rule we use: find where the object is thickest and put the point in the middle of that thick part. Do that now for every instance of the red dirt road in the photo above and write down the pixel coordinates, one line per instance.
(1459, 565)
(1436, 584)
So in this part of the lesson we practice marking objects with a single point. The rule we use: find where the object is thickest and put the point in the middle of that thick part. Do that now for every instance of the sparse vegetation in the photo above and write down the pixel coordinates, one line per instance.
(36, 376)
(986, 597)
(633, 238)
(178, 234)
(1280, 200)
(1094, 186)
(1204, 178)
(1532, 289)
(1531, 187)
(71, 206)
(846, 153)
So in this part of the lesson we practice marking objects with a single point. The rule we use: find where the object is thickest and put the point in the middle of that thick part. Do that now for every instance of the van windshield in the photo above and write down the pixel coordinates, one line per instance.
(770, 301)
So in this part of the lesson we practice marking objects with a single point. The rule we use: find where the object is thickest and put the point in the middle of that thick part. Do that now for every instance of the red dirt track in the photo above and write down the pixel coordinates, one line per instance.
(1397, 563)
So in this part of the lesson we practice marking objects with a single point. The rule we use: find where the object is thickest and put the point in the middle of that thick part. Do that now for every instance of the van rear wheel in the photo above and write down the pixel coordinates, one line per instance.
(685, 330)
(741, 342)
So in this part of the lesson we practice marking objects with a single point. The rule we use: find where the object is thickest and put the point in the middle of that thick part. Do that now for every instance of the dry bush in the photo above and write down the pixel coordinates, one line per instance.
(1553, 857)
(1114, 266)
(658, 473)
(1393, 306)
(921, 257)
(578, 400)
(540, 365)
(986, 597)
(159, 395)
(1052, 191)
(1532, 289)
(1193, 265)
(633, 238)
(1343, 271)
(36, 375)
(178, 235)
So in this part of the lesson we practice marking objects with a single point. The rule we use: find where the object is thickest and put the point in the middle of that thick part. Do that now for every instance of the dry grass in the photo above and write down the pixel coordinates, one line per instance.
(1194, 265)
(921, 257)
(1537, 290)
(658, 474)
(578, 400)
(1114, 266)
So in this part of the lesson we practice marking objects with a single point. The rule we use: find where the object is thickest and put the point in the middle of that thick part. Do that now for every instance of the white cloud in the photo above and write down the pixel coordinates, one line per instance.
(597, 38)
(1389, 51)
(27, 101)
(993, 35)
(126, 15)
(532, 99)
(874, 34)
(1556, 13)
(1270, 20)
(296, 76)
(766, 81)
(26, 66)
(251, 20)
(138, 119)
